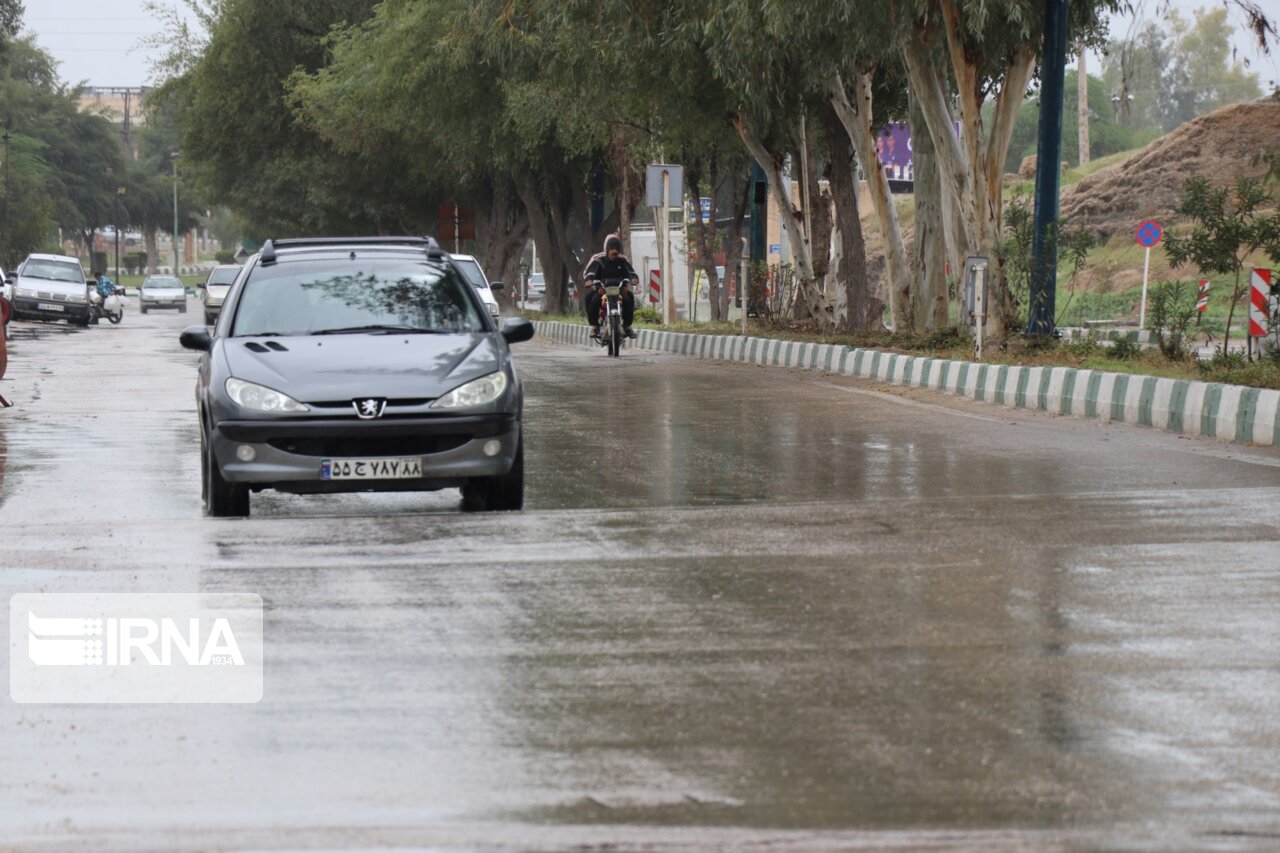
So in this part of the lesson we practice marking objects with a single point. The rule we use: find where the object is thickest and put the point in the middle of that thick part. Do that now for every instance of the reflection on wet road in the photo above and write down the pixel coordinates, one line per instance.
(744, 606)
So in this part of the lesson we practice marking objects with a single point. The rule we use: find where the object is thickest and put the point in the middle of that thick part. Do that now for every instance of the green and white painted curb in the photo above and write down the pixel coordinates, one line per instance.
(1227, 412)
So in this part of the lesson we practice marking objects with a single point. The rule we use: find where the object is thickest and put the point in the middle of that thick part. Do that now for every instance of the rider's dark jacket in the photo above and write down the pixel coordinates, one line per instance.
(600, 269)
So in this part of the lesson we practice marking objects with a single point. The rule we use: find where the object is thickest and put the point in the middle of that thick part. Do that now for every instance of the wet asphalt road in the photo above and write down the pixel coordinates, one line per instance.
(744, 606)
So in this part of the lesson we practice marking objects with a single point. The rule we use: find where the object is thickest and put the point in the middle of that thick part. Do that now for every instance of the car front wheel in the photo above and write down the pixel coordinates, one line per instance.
(504, 492)
(221, 499)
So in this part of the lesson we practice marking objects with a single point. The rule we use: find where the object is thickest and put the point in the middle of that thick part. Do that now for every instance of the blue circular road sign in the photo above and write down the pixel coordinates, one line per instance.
(1149, 233)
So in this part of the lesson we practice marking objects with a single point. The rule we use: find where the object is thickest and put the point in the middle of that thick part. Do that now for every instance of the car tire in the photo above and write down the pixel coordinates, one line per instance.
(208, 320)
(142, 308)
(220, 498)
(182, 309)
(503, 493)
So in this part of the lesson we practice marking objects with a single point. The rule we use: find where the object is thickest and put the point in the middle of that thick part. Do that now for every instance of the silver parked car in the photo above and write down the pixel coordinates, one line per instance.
(215, 288)
(162, 291)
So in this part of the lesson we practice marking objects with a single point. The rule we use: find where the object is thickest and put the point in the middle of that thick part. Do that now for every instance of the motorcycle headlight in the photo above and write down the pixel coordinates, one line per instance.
(477, 392)
(259, 398)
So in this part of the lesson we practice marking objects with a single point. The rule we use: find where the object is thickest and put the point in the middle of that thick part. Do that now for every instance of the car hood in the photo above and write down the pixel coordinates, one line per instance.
(44, 285)
(321, 368)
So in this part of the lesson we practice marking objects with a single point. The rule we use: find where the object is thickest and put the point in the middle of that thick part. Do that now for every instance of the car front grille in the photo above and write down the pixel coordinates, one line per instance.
(399, 445)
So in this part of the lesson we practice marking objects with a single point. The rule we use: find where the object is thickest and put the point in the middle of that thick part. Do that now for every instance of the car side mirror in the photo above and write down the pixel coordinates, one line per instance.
(196, 338)
(517, 329)
(496, 285)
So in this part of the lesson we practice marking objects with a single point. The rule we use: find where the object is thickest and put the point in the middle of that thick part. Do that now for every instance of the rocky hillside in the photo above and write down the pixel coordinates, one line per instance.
(1149, 184)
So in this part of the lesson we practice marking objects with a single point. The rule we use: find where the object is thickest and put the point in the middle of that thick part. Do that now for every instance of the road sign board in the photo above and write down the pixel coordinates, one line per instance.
(1149, 233)
(775, 248)
(653, 185)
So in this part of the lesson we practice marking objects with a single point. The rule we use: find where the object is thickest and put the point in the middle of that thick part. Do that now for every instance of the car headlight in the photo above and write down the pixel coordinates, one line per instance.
(259, 398)
(477, 392)
(24, 292)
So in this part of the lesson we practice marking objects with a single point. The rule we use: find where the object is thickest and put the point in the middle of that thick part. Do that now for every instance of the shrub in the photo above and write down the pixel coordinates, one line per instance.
(648, 315)
(1173, 308)
(1124, 348)
(225, 256)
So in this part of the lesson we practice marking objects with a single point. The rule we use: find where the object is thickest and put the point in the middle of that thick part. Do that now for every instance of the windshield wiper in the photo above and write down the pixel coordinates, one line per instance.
(383, 329)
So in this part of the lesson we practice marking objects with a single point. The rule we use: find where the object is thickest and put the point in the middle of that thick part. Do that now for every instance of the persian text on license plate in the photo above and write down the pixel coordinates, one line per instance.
(49, 306)
(370, 469)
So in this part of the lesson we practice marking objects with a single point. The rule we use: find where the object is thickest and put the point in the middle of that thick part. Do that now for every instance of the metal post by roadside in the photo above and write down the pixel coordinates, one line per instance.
(174, 155)
(664, 261)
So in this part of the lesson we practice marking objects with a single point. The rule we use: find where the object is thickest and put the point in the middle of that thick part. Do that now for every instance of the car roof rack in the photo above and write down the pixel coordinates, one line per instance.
(268, 253)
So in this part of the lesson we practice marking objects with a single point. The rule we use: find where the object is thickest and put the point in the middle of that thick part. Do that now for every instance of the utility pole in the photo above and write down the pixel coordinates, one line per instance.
(8, 250)
(1044, 248)
(1082, 95)
(174, 155)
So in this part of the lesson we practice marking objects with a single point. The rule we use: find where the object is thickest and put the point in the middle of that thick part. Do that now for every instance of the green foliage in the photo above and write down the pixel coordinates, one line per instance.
(1106, 135)
(1171, 310)
(1124, 348)
(1228, 225)
(1015, 252)
(134, 263)
(1173, 70)
(225, 256)
(649, 316)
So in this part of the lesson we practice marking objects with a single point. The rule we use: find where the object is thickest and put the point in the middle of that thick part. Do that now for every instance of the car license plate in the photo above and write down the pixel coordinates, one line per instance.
(370, 469)
(49, 306)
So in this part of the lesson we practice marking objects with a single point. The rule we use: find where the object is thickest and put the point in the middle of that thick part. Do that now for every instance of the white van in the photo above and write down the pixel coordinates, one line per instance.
(51, 287)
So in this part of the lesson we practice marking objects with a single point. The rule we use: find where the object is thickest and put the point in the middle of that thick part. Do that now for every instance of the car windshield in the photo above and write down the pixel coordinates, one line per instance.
(223, 277)
(471, 270)
(162, 282)
(53, 270)
(360, 295)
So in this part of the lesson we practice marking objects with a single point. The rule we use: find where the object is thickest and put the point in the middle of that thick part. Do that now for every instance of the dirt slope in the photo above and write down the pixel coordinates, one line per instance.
(1149, 184)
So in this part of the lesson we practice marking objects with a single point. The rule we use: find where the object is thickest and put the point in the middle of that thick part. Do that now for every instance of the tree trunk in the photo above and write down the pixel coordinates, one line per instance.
(929, 304)
(733, 250)
(851, 259)
(971, 168)
(796, 222)
(149, 239)
(704, 238)
(503, 230)
(547, 225)
(1082, 106)
(857, 117)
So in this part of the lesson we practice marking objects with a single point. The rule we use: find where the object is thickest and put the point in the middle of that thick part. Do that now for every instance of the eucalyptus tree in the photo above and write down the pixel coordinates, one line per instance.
(245, 147)
(990, 48)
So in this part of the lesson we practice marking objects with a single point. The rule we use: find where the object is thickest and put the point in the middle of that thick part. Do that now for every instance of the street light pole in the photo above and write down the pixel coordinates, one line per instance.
(7, 249)
(119, 192)
(175, 211)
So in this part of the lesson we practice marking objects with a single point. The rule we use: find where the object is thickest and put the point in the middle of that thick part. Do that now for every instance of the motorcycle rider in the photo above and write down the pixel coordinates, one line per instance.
(610, 265)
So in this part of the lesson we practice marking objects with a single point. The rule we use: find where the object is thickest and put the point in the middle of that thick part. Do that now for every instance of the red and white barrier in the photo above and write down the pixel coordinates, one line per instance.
(1202, 300)
(1260, 303)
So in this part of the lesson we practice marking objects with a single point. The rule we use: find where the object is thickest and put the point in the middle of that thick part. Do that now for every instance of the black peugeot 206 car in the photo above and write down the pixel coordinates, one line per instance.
(357, 364)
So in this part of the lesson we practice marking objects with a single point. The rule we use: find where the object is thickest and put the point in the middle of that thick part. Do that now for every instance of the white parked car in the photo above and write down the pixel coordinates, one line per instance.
(474, 274)
(162, 291)
(51, 287)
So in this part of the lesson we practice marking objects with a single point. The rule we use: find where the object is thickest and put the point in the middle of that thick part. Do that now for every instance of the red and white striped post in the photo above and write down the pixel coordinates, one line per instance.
(1202, 299)
(1259, 303)
(655, 286)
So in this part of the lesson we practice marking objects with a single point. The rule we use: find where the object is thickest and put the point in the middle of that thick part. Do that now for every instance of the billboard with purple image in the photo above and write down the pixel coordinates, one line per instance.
(893, 144)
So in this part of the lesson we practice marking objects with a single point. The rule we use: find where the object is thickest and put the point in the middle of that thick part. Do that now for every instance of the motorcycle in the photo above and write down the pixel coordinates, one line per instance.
(611, 334)
(112, 307)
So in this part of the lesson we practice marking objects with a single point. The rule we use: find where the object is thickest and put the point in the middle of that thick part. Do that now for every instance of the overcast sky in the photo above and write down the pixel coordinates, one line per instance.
(97, 40)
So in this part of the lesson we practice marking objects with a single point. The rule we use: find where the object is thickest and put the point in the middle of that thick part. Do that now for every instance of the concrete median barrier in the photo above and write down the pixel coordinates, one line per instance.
(1227, 412)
